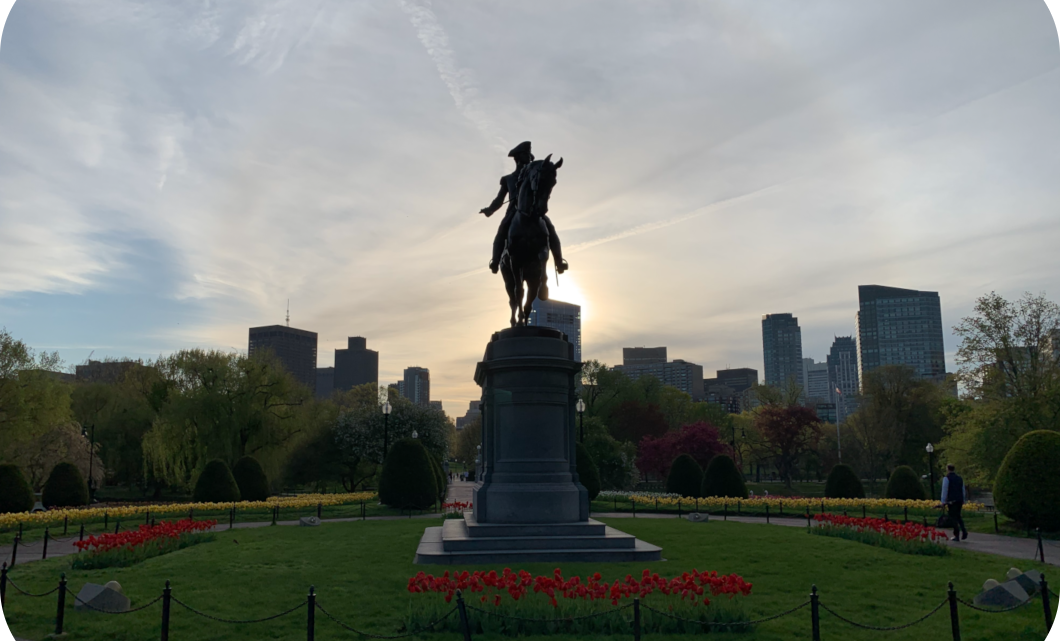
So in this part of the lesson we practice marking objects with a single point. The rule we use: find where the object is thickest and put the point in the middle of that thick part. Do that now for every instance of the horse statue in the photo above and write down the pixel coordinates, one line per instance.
(526, 254)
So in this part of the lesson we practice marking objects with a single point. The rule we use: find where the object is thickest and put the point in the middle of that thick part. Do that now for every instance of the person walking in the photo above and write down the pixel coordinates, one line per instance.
(954, 493)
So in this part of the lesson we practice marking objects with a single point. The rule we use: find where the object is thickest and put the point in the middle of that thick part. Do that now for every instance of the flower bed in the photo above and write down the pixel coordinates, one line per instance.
(793, 506)
(455, 509)
(82, 515)
(554, 603)
(121, 549)
(908, 538)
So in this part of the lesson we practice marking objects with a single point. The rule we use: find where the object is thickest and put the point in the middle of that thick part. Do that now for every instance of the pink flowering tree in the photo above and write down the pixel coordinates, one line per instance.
(699, 440)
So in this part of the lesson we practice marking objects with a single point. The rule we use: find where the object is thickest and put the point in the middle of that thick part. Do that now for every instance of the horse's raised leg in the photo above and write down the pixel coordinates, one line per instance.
(509, 286)
(532, 286)
(517, 301)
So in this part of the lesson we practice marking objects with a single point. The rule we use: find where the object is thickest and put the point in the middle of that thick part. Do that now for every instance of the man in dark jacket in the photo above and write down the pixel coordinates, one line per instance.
(509, 189)
(954, 492)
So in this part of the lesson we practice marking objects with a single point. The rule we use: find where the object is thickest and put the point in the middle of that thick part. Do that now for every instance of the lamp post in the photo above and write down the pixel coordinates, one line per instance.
(91, 457)
(386, 427)
(580, 406)
(415, 434)
(931, 466)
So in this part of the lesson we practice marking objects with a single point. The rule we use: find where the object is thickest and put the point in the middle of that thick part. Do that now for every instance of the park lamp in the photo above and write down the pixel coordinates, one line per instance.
(930, 448)
(386, 408)
(580, 406)
(415, 434)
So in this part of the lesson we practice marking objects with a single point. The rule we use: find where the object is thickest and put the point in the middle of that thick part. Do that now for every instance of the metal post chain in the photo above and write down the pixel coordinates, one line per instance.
(348, 628)
(559, 620)
(237, 621)
(30, 594)
(731, 624)
(887, 628)
(95, 609)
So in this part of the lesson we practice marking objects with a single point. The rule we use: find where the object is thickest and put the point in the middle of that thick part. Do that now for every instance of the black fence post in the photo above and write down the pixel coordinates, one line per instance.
(274, 515)
(166, 595)
(117, 526)
(863, 514)
(44, 552)
(20, 529)
(232, 518)
(191, 514)
(362, 511)
(767, 513)
(3, 584)
(725, 511)
(656, 505)
(906, 520)
(1041, 548)
(955, 622)
(634, 504)
(822, 506)
(636, 618)
(782, 508)
(147, 517)
(464, 625)
(81, 535)
(310, 632)
(995, 523)
(320, 509)
(1044, 587)
(808, 516)
(678, 507)
(61, 607)
(738, 505)
(14, 549)
(105, 521)
(66, 522)
(815, 614)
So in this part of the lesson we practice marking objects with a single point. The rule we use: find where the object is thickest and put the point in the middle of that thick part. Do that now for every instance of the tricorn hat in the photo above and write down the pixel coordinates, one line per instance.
(521, 148)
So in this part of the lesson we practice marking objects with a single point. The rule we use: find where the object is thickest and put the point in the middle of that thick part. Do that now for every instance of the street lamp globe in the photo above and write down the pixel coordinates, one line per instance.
(415, 434)
(386, 408)
(580, 406)
(930, 448)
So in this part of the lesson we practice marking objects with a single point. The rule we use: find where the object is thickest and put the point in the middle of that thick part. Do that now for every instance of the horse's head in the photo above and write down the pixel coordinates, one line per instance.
(536, 186)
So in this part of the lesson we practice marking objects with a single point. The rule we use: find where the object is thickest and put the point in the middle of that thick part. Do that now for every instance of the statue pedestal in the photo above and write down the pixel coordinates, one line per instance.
(528, 503)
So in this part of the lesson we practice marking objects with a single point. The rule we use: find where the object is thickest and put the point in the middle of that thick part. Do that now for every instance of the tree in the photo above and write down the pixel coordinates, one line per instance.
(39, 455)
(65, 487)
(588, 475)
(633, 420)
(15, 493)
(216, 484)
(1026, 489)
(685, 477)
(843, 483)
(467, 442)
(787, 434)
(905, 484)
(721, 478)
(407, 481)
(615, 460)
(32, 398)
(701, 441)
(251, 480)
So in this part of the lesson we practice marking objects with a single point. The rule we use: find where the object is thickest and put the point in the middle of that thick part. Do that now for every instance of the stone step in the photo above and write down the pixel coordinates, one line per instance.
(494, 530)
(455, 538)
(432, 552)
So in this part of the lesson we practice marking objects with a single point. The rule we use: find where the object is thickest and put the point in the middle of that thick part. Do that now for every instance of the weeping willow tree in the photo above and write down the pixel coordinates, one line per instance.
(224, 406)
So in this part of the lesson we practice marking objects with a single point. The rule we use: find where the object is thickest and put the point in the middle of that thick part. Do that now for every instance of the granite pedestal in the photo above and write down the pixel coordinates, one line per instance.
(529, 504)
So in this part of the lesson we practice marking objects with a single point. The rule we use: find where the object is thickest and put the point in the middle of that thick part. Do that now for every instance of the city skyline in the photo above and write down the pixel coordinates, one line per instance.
(170, 177)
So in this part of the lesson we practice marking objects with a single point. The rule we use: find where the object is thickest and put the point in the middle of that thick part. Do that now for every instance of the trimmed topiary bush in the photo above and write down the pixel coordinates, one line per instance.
(407, 480)
(686, 477)
(440, 480)
(1026, 488)
(251, 480)
(905, 484)
(15, 493)
(65, 487)
(588, 474)
(216, 484)
(721, 478)
(843, 483)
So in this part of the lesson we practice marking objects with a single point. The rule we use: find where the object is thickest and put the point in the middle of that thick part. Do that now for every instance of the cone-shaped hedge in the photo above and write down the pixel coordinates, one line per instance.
(15, 493)
(1026, 488)
(843, 483)
(65, 487)
(440, 481)
(588, 473)
(686, 477)
(905, 484)
(721, 478)
(251, 480)
(407, 480)
(216, 484)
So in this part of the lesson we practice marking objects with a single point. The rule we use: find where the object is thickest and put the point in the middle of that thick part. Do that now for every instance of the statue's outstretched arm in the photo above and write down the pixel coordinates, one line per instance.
(497, 202)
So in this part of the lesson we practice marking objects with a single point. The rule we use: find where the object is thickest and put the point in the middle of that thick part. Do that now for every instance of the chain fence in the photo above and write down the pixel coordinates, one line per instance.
(350, 628)
(887, 628)
(729, 623)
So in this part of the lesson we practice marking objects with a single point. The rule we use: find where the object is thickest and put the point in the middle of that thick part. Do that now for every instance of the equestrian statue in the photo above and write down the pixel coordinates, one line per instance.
(525, 235)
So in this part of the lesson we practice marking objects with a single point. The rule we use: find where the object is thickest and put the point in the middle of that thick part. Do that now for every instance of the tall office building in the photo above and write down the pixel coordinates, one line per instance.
(473, 413)
(356, 365)
(416, 385)
(325, 381)
(641, 361)
(296, 349)
(643, 355)
(900, 327)
(782, 350)
(566, 317)
(843, 375)
(816, 376)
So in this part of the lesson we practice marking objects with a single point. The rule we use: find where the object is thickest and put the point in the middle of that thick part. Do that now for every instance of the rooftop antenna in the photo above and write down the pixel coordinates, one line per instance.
(288, 312)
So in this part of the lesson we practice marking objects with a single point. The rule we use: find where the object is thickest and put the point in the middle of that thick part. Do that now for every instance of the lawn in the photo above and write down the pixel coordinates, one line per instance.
(361, 569)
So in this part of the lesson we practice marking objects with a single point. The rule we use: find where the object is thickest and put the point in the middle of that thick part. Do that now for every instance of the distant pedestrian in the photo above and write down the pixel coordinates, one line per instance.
(954, 494)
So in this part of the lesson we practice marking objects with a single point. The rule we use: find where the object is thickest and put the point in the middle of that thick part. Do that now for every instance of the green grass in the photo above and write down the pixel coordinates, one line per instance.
(361, 570)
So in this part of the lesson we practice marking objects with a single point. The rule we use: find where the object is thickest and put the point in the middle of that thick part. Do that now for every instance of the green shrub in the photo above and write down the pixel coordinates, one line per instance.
(905, 484)
(407, 481)
(686, 477)
(251, 480)
(441, 483)
(721, 478)
(588, 475)
(216, 484)
(15, 493)
(1026, 488)
(65, 487)
(843, 483)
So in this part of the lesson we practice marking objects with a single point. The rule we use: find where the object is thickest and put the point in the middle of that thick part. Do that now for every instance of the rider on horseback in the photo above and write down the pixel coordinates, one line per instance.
(510, 187)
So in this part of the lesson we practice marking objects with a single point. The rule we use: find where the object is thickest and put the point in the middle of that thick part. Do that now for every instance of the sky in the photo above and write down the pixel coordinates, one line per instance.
(172, 173)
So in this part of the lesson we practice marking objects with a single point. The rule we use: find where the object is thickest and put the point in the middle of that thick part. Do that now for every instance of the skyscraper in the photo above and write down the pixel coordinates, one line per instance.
(356, 365)
(416, 385)
(643, 355)
(296, 349)
(325, 381)
(651, 361)
(816, 376)
(566, 317)
(843, 374)
(900, 327)
(739, 379)
(782, 350)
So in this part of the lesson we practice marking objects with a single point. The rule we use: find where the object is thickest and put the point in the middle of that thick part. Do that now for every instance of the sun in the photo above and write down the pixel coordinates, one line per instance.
(568, 291)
